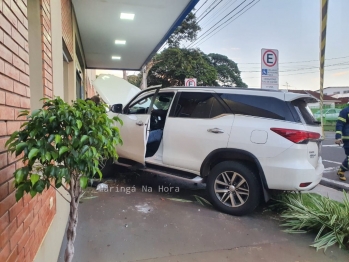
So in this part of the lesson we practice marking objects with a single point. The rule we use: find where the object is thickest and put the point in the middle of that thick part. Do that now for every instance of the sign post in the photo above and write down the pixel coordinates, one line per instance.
(270, 69)
(190, 81)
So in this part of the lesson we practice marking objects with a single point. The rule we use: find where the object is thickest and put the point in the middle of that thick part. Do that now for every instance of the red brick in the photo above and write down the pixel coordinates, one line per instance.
(37, 207)
(9, 15)
(23, 31)
(25, 102)
(19, 89)
(24, 239)
(4, 24)
(11, 71)
(2, 143)
(27, 70)
(6, 113)
(18, 38)
(13, 100)
(28, 92)
(4, 221)
(7, 203)
(13, 126)
(13, 256)
(23, 214)
(3, 191)
(19, 164)
(6, 173)
(7, 233)
(34, 223)
(6, 83)
(1, 35)
(2, 66)
(5, 53)
(5, 252)
(15, 210)
(8, 41)
(11, 185)
(23, 54)
(21, 255)
(16, 237)
(17, 113)
(2, 97)
(18, 63)
(18, 13)
(27, 247)
(28, 220)
(11, 158)
(3, 161)
(3, 130)
(24, 78)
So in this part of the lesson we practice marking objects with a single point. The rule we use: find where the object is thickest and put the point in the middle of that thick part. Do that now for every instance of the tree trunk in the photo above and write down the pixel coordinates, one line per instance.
(73, 221)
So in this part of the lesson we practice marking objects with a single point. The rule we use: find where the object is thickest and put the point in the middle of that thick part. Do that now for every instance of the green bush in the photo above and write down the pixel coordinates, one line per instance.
(312, 212)
(62, 146)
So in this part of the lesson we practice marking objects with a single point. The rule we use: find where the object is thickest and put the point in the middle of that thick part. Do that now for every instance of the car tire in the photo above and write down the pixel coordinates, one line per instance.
(233, 188)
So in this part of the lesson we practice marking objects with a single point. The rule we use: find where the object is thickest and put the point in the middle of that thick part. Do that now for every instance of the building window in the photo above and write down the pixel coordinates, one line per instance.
(346, 92)
(336, 93)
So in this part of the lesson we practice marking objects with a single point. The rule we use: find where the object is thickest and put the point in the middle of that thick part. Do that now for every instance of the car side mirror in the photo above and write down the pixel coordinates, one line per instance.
(117, 108)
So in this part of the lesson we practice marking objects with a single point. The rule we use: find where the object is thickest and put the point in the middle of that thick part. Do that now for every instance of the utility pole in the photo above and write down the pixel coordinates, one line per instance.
(287, 85)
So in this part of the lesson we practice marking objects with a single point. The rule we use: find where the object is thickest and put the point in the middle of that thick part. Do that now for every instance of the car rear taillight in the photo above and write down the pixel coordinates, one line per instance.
(296, 136)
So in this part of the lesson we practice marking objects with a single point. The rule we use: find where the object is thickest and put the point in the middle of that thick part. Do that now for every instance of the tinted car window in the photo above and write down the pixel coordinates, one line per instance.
(302, 108)
(260, 106)
(141, 106)
(197, 105)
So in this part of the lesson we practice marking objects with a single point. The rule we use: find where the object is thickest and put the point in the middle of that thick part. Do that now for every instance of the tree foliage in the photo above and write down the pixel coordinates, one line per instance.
(62, 145)
(187, 31)
(135, 79)
(176, 64)
(227, 70)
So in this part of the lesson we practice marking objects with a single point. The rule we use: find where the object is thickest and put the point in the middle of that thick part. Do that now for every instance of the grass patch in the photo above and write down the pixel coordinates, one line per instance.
(302, 213)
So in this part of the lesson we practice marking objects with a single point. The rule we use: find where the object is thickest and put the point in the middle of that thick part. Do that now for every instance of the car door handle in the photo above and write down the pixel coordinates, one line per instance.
(139, 123)
(215, 130)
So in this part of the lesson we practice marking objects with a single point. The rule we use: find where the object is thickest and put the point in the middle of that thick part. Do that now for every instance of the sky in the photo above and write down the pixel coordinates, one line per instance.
(290, 26)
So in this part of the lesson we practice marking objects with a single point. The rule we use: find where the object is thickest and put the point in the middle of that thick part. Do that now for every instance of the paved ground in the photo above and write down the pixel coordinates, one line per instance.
(148, 226)
(332, 156)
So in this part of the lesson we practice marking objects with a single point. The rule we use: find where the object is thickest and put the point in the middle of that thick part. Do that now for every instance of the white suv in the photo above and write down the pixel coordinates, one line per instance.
(241, 142)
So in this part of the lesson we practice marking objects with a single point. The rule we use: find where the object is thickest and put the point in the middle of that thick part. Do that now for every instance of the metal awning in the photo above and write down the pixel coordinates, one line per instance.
(100, 25)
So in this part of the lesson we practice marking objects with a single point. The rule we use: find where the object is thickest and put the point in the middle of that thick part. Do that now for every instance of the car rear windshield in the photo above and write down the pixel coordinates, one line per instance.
(301, 109)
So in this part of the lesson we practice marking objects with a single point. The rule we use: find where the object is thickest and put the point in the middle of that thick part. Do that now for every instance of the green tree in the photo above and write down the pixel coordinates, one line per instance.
(62, 146)
(176, 64)
(227, 70)
(135, 79)
(187, 31)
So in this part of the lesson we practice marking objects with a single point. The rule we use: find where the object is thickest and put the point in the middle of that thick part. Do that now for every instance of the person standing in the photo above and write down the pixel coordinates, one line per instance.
(342, 137)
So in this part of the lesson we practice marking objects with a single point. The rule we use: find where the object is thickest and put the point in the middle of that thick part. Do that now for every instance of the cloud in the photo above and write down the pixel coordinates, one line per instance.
(341, 73)
(235, 48)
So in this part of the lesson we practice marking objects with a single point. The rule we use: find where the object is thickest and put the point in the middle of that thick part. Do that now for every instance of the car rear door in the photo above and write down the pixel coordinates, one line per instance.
(198, 124)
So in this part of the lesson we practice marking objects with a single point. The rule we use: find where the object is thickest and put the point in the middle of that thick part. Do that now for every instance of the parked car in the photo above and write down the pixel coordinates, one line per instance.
(329, 114)
(241, 142)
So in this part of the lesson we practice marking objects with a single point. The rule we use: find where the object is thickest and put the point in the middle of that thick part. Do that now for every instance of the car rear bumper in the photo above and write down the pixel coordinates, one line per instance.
(288, 175)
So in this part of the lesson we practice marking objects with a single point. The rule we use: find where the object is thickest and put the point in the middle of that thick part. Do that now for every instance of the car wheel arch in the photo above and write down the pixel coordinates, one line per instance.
(233, 154)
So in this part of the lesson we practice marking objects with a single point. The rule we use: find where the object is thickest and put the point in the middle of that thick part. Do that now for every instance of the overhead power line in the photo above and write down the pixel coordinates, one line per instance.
(217, 23)
(204, 40)
(200, 7)
(210, 10)
(296, 62)
(219, 11)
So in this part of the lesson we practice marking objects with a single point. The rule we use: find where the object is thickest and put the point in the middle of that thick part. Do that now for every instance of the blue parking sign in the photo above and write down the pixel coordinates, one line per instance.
(264, 72)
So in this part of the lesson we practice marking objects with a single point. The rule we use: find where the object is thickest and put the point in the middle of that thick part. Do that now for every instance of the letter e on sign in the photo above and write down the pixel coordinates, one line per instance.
(270, 69)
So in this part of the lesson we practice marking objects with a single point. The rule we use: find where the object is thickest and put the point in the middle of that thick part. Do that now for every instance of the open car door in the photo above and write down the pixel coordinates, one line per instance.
(134, 135)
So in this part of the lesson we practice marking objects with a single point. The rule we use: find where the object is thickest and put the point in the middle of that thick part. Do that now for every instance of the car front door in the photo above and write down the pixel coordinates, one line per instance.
(134, 131)
(198, 123)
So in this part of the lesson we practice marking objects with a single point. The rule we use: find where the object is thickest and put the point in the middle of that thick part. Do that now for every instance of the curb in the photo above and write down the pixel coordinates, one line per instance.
(334, 184)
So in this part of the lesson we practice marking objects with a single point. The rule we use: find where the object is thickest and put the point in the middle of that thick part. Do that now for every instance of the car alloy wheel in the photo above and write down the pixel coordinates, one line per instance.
(231, 189)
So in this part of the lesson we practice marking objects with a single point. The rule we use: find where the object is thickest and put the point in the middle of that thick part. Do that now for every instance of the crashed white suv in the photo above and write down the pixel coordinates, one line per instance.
(241, 142)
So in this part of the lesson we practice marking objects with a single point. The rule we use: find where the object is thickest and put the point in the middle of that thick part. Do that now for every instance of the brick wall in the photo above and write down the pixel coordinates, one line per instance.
(23, 225)
(67, 25)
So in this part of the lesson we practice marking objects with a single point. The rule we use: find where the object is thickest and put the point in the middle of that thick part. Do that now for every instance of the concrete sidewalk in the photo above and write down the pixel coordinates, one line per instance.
(158, 226)
(329, 192)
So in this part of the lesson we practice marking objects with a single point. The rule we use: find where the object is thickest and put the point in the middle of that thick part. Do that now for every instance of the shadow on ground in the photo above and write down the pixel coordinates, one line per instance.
(131, 224)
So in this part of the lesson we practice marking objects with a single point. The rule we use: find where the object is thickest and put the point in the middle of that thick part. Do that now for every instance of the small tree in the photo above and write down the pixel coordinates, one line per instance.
(62, 146)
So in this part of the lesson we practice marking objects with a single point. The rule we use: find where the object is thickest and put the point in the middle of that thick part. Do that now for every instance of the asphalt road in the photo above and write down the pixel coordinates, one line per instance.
(332, 156)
